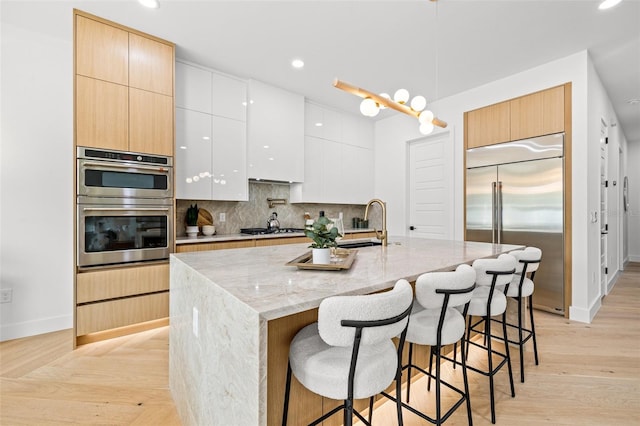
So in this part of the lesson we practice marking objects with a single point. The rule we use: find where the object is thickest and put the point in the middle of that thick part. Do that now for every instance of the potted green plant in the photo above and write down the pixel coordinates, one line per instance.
(191, 220)
(324, 235)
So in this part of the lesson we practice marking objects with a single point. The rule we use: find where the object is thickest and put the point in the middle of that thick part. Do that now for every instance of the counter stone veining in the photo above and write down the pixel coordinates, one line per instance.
(259, 278)
(223, 302)
(239, 237)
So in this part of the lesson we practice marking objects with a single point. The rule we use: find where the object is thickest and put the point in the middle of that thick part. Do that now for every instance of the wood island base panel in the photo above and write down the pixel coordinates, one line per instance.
(233, 314)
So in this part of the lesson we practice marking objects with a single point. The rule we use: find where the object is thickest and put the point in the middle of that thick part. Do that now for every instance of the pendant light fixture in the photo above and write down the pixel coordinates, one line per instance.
(372, 103)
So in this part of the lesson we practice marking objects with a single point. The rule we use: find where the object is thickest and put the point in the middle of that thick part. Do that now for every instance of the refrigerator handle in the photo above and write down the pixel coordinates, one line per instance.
(494, 211)
(499, 213)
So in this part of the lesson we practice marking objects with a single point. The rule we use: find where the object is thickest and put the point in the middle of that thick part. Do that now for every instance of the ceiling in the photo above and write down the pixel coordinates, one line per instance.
(434, 49)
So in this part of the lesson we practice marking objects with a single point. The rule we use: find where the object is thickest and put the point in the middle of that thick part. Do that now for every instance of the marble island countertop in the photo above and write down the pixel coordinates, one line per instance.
(234, 312)
(258, 277)
(238, 237)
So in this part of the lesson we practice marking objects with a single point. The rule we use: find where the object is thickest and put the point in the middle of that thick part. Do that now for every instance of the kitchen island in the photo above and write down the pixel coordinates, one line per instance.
(234, 312)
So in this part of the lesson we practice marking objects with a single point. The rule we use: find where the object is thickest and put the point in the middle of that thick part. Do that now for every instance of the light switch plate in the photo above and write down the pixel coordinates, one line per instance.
(195, 321)
(223, 217)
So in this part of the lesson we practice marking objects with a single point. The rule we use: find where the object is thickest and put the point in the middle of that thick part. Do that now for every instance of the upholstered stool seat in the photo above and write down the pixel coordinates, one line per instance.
(324, 369)
(349, 353)
(436, 322)
(521, 288)
(488, 299)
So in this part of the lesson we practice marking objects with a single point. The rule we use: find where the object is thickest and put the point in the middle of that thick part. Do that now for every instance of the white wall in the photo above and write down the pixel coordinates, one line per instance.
(393, 133)
(36, 172)
(633, 214)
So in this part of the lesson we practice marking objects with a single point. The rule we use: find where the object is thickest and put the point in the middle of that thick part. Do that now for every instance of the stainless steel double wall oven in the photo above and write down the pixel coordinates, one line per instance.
(125, 207)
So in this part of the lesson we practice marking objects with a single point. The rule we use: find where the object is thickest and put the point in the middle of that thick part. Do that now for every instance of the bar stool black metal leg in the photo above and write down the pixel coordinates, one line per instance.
(520, 342)
(533, 330)
(431, 349)
(468, 339)
(285, 410)
(466, 382)
(409, 371)
(490, 369)
(438, 408)
(506, 351)
(370, 409)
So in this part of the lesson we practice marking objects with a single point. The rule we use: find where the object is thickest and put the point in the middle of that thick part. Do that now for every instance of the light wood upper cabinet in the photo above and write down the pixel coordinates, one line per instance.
(150, 65)
(102, 114)
(537, 114)
(102, 51)
(488, 126)
(124, 88)
(150, 122)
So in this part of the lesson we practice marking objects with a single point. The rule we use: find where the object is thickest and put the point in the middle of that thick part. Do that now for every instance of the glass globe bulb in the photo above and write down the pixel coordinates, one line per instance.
(369, 107)
(386, 96)
(418, 103)
(401, 96)
(425, 117)
(426, 128)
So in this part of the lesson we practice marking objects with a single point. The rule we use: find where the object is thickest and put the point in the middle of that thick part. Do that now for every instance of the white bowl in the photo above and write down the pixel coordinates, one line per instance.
(208, 230)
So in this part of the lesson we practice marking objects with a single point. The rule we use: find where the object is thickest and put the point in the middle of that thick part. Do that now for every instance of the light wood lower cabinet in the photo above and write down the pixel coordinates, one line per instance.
(121, 312)
(114, 283)
(120, 297)
(184, 248)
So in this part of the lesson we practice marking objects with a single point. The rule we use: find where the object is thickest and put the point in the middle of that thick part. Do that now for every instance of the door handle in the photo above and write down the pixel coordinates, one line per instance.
(494, 212)
(412, 228)
(603, 233)
(499, 212)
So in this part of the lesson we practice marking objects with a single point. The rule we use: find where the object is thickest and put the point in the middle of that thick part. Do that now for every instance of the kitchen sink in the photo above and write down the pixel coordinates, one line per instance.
(357, 244)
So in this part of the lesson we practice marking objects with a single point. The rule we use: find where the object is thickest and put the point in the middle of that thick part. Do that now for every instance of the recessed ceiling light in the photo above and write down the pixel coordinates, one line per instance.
(608, 4)
(318, 124)
(297, 63)
(152, 4)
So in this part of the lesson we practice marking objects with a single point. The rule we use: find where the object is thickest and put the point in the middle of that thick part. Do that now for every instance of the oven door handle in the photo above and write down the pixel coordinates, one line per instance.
(125, 166)
(120, 209)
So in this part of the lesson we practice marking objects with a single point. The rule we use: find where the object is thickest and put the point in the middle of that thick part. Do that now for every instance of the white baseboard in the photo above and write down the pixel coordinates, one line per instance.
(612, 281)
(633, 258)
(585, 315)
(34, 327)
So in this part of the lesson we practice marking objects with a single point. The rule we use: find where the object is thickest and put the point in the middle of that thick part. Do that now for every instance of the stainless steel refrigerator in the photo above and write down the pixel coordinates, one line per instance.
(514, 195)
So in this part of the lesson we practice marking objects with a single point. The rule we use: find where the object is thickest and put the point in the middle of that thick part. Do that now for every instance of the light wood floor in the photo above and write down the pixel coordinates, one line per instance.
(589, 374)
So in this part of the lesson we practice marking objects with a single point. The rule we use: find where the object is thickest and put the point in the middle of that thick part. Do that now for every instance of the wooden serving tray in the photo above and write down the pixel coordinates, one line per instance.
(345, 259)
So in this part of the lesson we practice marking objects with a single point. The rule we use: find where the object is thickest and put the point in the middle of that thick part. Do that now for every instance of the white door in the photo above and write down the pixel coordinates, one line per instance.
(430, 187)
(603, 209)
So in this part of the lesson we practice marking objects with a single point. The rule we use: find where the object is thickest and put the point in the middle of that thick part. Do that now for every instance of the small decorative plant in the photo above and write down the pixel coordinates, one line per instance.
(192, 215)
(321, 234)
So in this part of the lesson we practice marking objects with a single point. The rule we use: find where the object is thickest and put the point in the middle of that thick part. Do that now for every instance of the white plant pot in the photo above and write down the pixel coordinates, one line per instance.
(321, 256)
(192, 231)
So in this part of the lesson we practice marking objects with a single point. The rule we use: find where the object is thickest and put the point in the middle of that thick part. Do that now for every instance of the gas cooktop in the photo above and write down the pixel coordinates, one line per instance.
(263, 231)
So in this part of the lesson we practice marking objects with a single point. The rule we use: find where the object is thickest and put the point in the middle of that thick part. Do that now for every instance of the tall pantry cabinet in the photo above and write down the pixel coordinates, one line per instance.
(124, 100)
(124, 88)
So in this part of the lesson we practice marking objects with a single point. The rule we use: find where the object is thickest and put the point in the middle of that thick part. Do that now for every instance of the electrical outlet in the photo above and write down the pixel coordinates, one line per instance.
(223, 217)
(195, 321)
(6, 295)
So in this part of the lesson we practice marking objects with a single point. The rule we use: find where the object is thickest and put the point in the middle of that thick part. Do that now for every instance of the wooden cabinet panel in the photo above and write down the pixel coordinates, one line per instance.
(537, 114)
(102, 114)
(102, 51)
(553, 110)
(150, 65)
(487, 126)
(183, 248)
(119, 313)
(113, 283)
(263, 242)
(150, 122)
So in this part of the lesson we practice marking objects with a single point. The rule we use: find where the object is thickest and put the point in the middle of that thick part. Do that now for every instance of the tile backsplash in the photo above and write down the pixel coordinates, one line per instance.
(255, 212)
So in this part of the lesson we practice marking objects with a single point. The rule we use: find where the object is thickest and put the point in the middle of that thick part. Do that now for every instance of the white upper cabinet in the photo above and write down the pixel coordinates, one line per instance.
(193, 88)
(211, 135)
(194, 151)
(229, 160)
(275, 133)
(229, 97)
(357, 131)
(338, 158)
